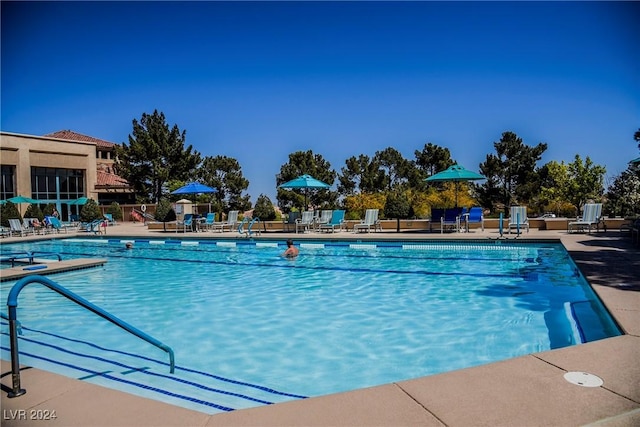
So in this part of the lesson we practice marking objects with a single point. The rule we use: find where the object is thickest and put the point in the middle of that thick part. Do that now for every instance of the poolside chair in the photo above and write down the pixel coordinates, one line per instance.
(591, 216)
(324, 218)
(436, 216)
(337, 220)
(186, 224)
(518, 219)
(209, 220)
(289, 221)
(59, 226)
(33, 225)
(306, 222)
(109, 218)
(474, 216)
(18, 228)
(451, 219)
(95, 226)
(230, 223)
(370, 220)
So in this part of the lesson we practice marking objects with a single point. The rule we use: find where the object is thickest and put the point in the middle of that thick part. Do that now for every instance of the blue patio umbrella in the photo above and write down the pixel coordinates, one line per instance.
(21, 199)
(456, 174)
(80, 201)
(305, 182)
(194, 188)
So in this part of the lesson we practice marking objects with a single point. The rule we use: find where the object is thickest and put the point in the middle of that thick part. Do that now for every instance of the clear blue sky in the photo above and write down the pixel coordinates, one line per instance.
(259, 80)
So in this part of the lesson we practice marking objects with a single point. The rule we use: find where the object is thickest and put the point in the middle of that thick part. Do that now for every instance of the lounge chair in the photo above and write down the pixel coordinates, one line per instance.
(451, 219)
(591, 216)
(290, 221)
(324, 218)
(209, 220)
(109, 218)
(518, 219)
(474, 216)
(337, 220)
(186, 224)
(436, 217)
(230, 223)
(306, 222)
(95, 226)
(18, 228)
(370, 220)
(59, 226)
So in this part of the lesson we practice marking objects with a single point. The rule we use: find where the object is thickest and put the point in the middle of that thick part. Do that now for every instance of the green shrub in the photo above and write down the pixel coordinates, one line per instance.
(164, 211)
(264, 209)
(90, 211)
(34, 211)
(115, 211)
(7, 212)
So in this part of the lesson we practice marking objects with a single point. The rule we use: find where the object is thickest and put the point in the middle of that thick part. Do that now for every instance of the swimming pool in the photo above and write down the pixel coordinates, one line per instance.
(250, 328)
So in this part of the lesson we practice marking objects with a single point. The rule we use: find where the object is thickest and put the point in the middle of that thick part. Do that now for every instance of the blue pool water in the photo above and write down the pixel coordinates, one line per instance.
(249, 327)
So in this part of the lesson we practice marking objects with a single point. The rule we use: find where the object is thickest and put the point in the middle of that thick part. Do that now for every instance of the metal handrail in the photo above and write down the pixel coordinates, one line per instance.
(12, 304)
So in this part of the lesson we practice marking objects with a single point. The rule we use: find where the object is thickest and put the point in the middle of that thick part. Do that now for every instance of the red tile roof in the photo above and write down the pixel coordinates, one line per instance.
(111, 180)
(75, 136)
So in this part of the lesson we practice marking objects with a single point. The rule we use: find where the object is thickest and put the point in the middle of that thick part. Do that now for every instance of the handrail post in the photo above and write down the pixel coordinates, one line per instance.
(16, 390)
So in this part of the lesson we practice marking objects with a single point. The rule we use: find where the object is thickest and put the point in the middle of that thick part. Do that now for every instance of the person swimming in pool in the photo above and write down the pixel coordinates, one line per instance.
(291, 251)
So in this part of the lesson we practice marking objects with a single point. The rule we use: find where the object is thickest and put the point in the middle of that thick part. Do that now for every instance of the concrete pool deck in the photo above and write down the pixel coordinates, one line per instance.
(524, 391)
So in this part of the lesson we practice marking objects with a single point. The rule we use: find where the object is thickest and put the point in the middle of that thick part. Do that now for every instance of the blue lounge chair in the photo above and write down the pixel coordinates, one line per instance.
(59, 226)
(436, 216)
(451, 219)
(109, 218)
(474, 216)
(591, 216)
(185, 224)
(337, 220)
(95, 226)
(209, 220)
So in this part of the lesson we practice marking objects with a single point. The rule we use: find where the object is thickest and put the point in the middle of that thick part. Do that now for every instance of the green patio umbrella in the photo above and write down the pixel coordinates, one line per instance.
(305, 182)
(456, 174)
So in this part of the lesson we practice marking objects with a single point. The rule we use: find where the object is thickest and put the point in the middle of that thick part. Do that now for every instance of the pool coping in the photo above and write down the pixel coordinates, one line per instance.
(521, 391)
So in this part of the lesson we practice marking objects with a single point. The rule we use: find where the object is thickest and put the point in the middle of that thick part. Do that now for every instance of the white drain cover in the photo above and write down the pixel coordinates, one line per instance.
(583, 379)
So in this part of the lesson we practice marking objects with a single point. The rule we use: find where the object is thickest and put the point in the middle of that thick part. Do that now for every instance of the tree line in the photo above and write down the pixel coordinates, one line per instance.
(157, 160)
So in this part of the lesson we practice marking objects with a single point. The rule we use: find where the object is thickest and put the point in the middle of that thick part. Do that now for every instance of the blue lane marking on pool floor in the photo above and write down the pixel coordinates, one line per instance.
(162, 363)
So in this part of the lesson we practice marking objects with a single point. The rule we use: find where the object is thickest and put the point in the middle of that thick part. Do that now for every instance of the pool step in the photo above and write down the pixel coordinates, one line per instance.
(139, 375)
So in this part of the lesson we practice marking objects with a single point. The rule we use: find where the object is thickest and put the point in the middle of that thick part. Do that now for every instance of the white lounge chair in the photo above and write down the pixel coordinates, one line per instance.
(17, 228)
(306, 222)
(324, 218)
(518, 219)
(230, 223)
(370, 220)
(591, 216)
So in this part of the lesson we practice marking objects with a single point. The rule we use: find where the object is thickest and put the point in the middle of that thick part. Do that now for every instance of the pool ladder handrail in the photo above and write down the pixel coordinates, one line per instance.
(248, 232)
(12, 304)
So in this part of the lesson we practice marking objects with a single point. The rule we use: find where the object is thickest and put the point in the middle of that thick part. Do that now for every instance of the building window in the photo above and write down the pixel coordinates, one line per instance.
(7, 185)
(52, 184)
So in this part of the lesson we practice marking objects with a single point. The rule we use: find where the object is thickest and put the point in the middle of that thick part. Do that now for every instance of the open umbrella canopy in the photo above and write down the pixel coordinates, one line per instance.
(304, 181)
(21, 199)
(80, 201)
(194, 188)
(635, 161)
(455, 173)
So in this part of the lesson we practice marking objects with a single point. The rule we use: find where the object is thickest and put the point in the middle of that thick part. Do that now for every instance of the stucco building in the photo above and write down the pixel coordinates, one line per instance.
(60, 167)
